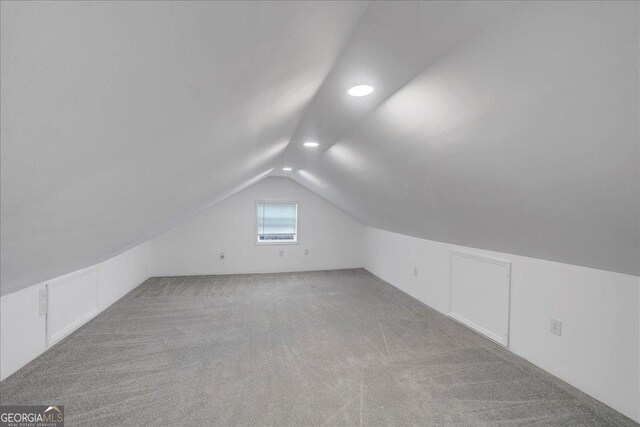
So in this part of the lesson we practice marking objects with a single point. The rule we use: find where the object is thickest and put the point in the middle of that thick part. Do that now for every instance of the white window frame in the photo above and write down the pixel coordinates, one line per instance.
(273, 242)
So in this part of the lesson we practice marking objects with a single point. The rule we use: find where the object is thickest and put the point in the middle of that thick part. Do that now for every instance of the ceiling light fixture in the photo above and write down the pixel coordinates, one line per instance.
(360, 90)
(311, 144)
(287, 169)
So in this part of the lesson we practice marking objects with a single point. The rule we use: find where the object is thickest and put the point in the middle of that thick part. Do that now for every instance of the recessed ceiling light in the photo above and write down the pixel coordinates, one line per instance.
(360, 90)
(310, 144)
(287, 169)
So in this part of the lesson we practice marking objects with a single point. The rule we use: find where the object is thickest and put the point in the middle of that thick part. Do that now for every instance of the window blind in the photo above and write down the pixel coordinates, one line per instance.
(277, 221)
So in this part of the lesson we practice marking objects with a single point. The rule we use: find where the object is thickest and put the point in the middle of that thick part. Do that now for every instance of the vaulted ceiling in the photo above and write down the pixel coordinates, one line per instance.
(504, 126)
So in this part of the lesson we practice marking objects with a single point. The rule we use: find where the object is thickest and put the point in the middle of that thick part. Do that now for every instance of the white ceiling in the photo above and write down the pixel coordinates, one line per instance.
(505, 126)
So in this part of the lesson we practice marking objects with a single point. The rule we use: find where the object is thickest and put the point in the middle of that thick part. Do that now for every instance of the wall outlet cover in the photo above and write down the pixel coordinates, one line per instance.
(555, 327)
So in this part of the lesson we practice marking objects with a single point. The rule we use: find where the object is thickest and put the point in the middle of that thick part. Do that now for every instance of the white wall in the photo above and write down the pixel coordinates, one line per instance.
(598, 352)
(121, 274)
(193, 247)
(23, 333)
(599, 349)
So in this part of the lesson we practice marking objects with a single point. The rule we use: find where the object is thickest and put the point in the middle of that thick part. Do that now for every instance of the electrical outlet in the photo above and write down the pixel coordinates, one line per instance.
(281, 253)
(555, 327)
(415, 272)
(221, 255)
(306, 251)
(42, 301)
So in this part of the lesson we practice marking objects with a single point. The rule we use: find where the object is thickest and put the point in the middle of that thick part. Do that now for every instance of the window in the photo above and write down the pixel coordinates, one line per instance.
(276, 222)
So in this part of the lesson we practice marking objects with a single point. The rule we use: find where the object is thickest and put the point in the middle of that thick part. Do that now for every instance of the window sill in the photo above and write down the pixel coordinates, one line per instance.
(276, 243)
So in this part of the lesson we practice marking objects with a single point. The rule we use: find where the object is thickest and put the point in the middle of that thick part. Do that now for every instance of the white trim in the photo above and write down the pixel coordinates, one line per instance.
(255, 223)
(71, 275)
(502, 340)
(52, 339)
(497, 338)
(479, 257)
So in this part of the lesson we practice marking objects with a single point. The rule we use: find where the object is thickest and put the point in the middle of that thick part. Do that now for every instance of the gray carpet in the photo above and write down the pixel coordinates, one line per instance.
(317, 348)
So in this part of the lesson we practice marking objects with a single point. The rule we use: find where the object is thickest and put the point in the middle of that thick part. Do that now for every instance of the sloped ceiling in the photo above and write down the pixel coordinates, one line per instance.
(119, 118)
(505, 126)
(511, 127)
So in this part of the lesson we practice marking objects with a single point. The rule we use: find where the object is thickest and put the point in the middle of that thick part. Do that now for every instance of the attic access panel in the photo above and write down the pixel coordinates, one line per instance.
(480, 294)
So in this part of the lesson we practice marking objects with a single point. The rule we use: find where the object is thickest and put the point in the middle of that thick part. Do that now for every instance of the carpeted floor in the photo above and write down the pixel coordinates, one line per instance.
(301, 349)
